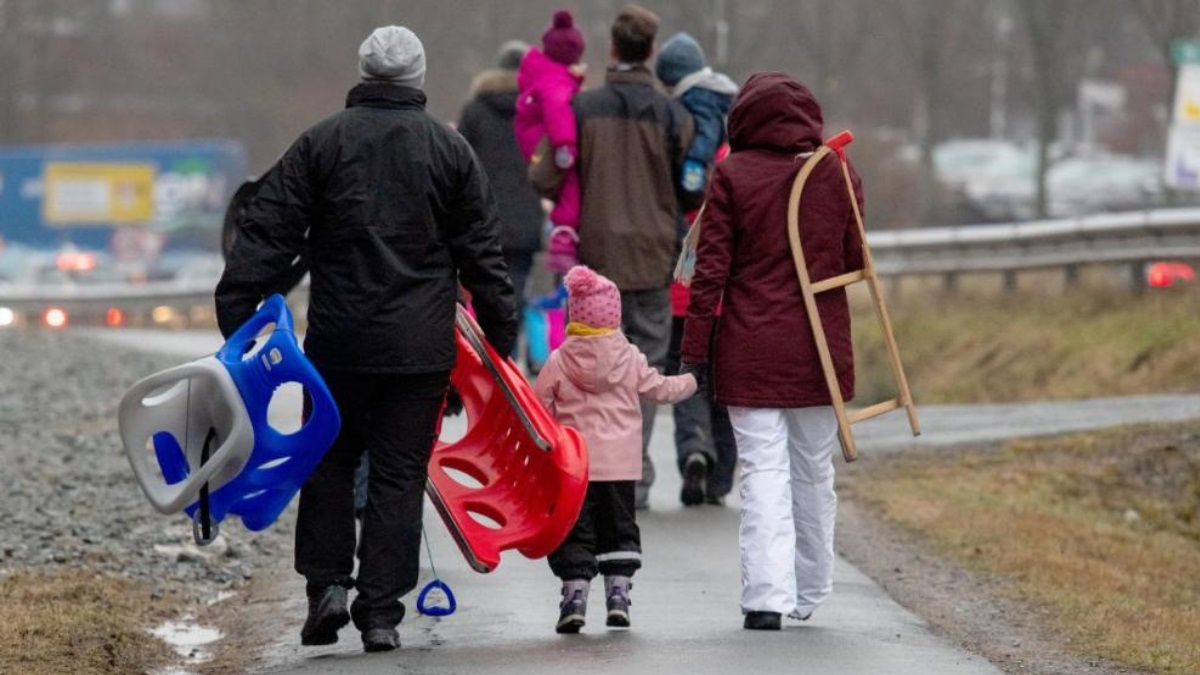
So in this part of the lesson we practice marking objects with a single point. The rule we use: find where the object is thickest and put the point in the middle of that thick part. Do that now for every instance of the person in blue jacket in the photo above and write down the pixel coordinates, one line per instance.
(707, 95)
(705, 449)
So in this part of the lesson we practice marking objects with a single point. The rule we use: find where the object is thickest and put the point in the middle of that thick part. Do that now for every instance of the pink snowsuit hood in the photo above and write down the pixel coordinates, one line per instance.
(595, 384)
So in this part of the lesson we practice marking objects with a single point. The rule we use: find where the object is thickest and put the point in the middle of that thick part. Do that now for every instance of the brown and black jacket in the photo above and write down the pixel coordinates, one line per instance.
(632, 143)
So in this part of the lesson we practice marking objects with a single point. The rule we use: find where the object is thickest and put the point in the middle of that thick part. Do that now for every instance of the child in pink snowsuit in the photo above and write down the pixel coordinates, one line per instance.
(546, 81)
(594, 382)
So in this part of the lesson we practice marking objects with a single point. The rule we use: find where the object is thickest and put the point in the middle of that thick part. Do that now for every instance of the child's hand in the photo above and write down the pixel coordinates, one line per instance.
(578, 69)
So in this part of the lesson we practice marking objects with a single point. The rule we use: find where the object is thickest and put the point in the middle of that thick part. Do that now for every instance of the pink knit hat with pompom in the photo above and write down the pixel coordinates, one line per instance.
(563, 42)
(592, 299)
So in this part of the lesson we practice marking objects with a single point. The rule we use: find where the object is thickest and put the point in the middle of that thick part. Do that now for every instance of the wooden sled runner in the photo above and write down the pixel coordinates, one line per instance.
(809, 289)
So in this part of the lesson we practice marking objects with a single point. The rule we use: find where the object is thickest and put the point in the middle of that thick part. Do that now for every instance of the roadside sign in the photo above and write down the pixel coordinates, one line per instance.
(1185, 52)
(1187, 96)
(1183, 158)
(98, 192)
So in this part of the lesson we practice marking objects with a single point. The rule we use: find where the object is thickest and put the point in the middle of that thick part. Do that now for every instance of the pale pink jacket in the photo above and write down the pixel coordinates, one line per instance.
(545, 88)
(595, 384)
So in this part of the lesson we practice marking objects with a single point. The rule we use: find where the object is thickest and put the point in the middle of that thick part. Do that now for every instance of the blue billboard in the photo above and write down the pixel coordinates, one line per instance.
(118, 196)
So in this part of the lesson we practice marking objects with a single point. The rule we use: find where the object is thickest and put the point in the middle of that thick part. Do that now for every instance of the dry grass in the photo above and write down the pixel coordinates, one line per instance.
(75, 622)
(1100, 532)
(979, 346)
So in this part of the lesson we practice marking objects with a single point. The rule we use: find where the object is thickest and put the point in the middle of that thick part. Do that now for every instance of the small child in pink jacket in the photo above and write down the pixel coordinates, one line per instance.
(546, 81)
(595, 383)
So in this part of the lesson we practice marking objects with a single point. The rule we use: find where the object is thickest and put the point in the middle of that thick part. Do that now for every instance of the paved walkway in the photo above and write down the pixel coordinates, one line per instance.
(685, 612)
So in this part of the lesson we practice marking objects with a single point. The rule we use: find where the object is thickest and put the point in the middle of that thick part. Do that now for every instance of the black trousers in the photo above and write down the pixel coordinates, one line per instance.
(395, 420)
(605, 539)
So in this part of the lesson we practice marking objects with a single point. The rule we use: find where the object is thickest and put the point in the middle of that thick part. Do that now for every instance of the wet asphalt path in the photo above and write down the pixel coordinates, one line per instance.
(685, 613)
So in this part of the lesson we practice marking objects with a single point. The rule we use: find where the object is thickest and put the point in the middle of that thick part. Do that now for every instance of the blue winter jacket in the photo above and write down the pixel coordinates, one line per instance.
(708, 97)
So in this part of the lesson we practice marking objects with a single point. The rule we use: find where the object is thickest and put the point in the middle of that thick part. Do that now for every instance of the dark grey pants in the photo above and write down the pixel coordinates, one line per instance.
(646, 321)
(702, 426)
(394, 419)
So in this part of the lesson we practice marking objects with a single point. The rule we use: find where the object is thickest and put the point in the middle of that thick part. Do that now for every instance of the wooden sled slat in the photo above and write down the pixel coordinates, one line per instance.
(840, 281)
(867, 274)
(874, 410)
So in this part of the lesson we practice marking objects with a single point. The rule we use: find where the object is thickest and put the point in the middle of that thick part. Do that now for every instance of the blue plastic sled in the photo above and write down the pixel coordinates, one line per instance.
(214, 452)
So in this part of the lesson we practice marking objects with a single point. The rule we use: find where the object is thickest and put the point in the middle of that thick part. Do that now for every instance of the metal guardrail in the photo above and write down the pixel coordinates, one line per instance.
(35, 298)
(1129, 237)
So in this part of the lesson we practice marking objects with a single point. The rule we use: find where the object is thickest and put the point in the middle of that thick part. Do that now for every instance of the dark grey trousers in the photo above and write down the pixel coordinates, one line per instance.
(646, 321)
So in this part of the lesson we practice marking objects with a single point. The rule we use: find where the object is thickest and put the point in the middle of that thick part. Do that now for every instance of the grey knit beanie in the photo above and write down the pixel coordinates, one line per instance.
(393, 54)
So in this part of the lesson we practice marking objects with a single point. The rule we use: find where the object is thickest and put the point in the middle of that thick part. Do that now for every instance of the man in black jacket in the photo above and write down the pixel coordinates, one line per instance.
(391, 211)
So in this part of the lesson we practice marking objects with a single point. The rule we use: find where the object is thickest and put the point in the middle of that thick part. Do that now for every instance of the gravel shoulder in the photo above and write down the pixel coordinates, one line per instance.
(70, 500)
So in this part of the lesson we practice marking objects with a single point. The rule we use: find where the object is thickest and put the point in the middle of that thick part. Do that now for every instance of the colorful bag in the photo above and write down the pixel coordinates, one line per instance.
(546, 325)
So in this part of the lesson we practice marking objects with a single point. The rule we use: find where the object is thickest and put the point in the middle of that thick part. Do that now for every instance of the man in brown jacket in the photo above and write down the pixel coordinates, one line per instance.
(632, 143)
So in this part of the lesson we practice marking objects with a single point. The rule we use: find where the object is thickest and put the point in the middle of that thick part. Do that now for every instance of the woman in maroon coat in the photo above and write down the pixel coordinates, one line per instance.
(763, 357)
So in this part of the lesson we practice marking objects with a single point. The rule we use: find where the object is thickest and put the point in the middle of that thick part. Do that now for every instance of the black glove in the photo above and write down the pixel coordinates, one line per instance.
(500, 340)
(454, 403)
(698, 371)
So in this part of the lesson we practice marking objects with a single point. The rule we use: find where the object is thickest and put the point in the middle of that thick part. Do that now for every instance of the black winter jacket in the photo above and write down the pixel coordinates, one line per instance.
(487, 124)
(390, 209)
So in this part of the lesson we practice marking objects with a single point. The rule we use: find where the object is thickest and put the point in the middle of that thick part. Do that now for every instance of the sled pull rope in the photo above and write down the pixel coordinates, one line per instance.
(437, 584)
(204, 531)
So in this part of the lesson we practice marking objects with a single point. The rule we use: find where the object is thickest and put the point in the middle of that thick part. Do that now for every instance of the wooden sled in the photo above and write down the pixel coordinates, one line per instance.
(837, 145)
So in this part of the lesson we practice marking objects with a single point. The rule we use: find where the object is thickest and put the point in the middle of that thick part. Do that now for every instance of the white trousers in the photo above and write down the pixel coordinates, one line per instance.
(788, 506)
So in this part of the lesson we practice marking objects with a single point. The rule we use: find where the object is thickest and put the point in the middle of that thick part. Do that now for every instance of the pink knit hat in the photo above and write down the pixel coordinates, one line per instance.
(592, 299)
(563, 42)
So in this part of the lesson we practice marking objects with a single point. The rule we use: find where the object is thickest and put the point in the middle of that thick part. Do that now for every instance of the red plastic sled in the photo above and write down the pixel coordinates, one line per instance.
(531, 471)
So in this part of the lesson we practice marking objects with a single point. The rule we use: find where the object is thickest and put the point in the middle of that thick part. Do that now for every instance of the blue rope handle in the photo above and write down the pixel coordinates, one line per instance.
(437, 584)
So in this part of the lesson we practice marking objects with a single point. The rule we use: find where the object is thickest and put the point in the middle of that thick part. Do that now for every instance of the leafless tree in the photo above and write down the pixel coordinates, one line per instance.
(1051, 27)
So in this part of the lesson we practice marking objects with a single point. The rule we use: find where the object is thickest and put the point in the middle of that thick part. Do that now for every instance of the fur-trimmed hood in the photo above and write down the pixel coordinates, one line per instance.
(494, 81)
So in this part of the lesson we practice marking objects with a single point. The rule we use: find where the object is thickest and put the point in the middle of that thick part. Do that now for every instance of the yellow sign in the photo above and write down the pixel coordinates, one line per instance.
(100, 193)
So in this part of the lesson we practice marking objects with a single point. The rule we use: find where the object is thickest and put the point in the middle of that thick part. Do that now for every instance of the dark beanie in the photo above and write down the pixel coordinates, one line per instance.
(563, 42)
(679, 57)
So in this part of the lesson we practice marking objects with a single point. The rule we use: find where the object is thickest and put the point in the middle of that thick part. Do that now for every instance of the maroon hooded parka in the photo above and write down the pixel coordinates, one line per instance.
(762, 346)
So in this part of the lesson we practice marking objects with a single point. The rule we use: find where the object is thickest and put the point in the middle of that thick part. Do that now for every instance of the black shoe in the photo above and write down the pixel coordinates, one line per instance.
(763, 621)
(327, 614)
(695, 477)
(380, 639)
(713, 499)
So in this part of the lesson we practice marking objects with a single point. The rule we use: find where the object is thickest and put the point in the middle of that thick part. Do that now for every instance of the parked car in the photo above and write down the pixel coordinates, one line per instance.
(1077, 186)
(1004, 186)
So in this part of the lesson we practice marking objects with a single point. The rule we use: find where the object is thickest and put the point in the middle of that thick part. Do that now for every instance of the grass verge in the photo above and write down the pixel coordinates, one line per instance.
(75, 622)
(1099, 533)
(980, 348)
